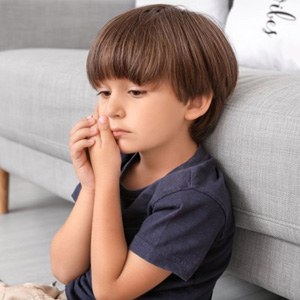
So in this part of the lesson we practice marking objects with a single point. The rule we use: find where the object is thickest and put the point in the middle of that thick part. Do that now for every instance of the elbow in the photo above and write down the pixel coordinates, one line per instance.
(60, 274)
(58, 268)
(60, 271)
(108, 292)
(103, 296)
(100, 294)
(103, 293)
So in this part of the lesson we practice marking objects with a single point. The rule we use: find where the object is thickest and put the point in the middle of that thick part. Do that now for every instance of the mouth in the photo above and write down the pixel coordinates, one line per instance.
(118, 132)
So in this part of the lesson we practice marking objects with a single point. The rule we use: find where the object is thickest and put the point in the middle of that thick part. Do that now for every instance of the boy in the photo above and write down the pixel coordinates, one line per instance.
(155, 222)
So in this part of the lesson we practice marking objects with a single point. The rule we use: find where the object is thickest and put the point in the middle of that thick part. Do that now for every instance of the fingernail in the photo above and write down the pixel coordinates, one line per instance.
(102, 119)
(90, 118)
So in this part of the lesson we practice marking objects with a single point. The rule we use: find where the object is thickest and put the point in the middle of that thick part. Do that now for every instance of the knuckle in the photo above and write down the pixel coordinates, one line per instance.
(70, 145)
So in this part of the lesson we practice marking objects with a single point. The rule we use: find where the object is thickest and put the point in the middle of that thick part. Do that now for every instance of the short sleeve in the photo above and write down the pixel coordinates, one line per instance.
(179, 232)
(76, 192)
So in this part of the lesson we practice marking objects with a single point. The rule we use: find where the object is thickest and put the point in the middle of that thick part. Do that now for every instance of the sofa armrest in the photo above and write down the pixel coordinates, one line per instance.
(55, 23)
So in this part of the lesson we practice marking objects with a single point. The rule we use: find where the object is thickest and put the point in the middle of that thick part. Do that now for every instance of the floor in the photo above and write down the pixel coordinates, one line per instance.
(34, 217)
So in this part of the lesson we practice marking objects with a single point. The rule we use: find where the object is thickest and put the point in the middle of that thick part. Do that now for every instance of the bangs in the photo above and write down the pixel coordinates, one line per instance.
(127, 48)
(162, 42)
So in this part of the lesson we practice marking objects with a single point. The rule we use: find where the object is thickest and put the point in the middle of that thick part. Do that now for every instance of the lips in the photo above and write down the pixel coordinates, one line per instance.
(118, 132)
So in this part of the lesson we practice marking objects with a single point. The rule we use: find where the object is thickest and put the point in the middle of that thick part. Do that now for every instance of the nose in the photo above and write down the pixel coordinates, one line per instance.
(114, 107)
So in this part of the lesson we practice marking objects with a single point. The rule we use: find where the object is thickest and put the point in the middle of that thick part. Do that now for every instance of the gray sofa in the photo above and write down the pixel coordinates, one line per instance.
(44, 91)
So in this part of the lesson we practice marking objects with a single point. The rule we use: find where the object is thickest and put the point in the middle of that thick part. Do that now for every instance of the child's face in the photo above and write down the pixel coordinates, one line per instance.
(143, 118)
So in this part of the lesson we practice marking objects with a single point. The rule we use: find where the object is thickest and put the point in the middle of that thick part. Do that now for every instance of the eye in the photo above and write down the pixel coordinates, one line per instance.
(137, 93)
(104, 93)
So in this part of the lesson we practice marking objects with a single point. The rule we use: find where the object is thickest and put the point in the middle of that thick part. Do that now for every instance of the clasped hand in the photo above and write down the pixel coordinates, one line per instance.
(105, 153)
(94, 152)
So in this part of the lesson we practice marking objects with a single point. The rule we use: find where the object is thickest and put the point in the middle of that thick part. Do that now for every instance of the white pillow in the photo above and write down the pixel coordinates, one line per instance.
(216, 9)
(266, 33)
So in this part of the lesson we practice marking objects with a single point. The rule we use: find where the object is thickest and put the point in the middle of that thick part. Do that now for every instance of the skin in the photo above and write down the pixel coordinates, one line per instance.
(149, 120)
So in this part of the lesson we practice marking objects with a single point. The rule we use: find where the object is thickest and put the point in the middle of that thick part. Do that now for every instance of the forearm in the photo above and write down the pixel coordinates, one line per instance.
(108, 247)
(70, 247)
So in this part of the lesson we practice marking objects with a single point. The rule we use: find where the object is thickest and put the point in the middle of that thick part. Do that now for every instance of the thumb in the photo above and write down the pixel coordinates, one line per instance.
(104, 128)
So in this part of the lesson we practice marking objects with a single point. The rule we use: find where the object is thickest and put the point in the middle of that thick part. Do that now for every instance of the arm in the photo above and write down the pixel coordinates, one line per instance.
(70, 247)
(72, 242)
(117, 273)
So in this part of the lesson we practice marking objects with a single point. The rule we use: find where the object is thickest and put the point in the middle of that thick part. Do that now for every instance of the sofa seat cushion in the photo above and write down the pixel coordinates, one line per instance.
(45, 91)
(257, 142)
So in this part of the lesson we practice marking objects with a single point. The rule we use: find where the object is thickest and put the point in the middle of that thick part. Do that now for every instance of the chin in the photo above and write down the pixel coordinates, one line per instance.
(126, 149)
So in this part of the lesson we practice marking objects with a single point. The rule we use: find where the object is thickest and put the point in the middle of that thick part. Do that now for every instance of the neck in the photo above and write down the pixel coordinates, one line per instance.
(164, 161)
(157, 163)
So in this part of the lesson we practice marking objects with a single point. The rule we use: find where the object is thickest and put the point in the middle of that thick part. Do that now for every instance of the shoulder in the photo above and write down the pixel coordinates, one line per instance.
(198, 186)
(198, 176)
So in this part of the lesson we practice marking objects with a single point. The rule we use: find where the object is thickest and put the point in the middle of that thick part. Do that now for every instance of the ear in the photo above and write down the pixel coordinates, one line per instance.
(198, 106)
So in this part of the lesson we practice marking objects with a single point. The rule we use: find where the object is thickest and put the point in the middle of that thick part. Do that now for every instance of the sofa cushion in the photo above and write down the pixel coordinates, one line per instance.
(45, 92)
(265, 34)
(257, 142)
(217, 10)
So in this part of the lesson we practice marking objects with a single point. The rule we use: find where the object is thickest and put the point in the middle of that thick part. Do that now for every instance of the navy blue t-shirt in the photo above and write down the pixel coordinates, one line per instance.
(183, 223)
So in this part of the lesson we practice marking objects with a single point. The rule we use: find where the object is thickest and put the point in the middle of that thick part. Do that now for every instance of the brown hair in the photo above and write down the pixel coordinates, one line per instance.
(155, 42)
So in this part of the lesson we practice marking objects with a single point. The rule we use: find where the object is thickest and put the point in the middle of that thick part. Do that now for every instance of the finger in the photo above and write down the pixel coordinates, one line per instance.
(103, 125)
(85, 122)
(77, 148)
(84, 133)
(82, 128)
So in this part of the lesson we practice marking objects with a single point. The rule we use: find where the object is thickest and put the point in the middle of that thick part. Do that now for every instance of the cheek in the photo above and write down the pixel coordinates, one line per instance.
(101, 107)
(150, 121)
